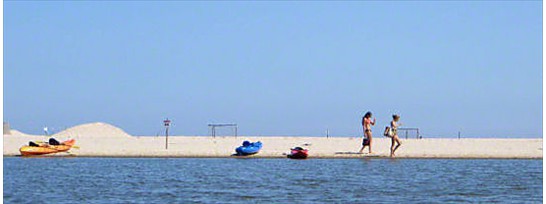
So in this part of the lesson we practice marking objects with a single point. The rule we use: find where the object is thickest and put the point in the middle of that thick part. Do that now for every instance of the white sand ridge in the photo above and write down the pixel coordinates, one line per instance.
(93, 130)
(17, 133)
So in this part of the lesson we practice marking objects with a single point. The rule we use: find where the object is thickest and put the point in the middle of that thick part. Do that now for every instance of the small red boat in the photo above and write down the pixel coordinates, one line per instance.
(298, 153)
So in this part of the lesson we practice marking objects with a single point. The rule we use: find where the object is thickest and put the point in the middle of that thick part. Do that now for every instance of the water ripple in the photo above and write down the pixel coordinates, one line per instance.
(162, 180)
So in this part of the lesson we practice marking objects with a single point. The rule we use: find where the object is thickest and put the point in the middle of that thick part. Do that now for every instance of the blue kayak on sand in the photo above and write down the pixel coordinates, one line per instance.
(249, 148)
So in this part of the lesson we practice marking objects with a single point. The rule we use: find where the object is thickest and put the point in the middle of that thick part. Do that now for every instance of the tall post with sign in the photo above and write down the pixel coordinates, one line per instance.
(167, 123)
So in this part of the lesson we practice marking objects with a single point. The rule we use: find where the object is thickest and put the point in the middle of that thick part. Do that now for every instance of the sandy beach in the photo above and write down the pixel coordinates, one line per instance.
(104, 140)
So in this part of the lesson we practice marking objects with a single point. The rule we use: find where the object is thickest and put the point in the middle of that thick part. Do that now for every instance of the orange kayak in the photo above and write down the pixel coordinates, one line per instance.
(47, 149)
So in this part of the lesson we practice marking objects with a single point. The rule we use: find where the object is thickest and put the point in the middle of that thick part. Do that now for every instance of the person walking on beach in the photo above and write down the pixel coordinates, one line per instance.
(367, 123)
(394, 134)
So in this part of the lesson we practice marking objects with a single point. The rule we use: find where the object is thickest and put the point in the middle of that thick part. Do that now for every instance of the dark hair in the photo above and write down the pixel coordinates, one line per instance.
(395, 116)
(368, 114)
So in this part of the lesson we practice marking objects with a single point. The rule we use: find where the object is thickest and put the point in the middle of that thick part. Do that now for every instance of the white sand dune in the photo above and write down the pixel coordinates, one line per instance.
(101, 139)
(93, 130)
(16, 133)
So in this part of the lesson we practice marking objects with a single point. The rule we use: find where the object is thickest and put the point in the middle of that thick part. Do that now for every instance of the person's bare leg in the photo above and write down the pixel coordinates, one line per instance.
(362, 149)
(369, 134)
(397, 140)
(392, 146)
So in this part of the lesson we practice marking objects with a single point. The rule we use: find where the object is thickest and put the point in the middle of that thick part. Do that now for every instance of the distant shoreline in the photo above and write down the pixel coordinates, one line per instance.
(104, 140)
(311, 136)
(260, 157)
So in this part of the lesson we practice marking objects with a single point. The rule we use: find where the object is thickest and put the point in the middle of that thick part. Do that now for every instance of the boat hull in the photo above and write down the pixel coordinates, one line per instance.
(298, 154)
(46, 149)
(251, 148)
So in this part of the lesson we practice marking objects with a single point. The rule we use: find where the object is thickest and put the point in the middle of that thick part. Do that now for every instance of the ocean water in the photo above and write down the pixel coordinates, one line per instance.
(231, 180)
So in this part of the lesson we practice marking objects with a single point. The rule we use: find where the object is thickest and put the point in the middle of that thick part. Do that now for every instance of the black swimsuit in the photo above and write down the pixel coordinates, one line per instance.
(366, 141)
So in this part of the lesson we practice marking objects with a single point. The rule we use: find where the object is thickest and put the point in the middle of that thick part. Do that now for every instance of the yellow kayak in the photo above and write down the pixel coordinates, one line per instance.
(46, 149)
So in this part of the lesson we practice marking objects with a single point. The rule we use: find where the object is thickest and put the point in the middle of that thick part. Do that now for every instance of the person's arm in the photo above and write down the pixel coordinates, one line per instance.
(373, 123)
(364, 126)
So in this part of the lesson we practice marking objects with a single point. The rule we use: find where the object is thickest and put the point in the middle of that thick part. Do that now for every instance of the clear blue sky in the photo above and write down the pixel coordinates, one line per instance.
(275, 68)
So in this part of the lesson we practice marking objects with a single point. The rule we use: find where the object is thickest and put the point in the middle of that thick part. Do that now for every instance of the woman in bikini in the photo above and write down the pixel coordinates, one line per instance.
(367, 127)
(395, 139)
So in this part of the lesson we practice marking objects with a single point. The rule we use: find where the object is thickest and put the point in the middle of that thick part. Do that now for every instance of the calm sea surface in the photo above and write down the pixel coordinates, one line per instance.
(181, 180)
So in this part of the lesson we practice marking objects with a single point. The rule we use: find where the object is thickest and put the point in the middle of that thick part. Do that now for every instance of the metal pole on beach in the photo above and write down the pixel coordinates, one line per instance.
(167, 124)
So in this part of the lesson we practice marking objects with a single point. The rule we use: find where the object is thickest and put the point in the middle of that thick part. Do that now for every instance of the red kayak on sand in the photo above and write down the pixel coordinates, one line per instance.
(298, 153)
